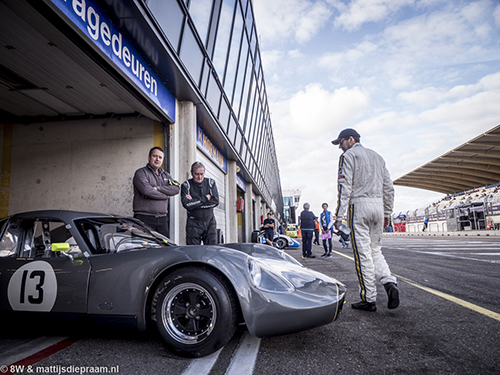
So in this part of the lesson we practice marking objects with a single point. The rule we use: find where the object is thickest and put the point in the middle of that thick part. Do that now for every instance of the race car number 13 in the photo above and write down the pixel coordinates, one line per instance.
(33, 287)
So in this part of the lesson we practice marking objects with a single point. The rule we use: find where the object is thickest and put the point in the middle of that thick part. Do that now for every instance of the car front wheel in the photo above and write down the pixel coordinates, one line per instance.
(194, 311)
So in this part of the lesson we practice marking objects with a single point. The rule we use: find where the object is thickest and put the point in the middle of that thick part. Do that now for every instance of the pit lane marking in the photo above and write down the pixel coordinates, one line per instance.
(202, 365)
(244, 359)
(458, 301)
(242, 362)
(455, 253)
(30, 351)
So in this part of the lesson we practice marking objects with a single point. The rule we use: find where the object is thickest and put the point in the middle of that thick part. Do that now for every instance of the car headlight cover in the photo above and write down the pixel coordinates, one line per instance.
(267, 279)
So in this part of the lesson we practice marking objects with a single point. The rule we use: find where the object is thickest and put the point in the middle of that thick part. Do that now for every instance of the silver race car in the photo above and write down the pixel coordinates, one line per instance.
(101, 265)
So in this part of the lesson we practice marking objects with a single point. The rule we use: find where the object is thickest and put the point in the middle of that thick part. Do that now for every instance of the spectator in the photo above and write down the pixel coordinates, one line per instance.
(281, 228)
(199, 196)
(307, 229)
(343, 238)
(326, 222)
(316, 231)
(269, 225)
(153, 186)
(426, 222)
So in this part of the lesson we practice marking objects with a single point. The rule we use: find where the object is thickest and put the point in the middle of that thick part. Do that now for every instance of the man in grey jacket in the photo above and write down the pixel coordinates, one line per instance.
(153, 186)
(366, 192)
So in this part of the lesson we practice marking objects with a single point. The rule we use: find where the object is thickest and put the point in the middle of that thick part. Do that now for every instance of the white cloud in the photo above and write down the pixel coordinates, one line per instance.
(469, 115)
(428, 46)
(279, 20)
(338, 59)
(496, 15)
(295, 54)
(408, 199)
(316, 110)
(422, 86)
(305, 125)
(271, 58)
(358, 12)
(457, 35)
(429, 96)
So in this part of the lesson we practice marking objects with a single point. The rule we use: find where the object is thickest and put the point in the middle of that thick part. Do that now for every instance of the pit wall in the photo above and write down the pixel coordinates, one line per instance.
(438, 228)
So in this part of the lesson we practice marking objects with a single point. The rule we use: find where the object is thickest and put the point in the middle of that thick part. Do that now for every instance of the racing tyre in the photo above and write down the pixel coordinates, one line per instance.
(194, 311)
(280, 243)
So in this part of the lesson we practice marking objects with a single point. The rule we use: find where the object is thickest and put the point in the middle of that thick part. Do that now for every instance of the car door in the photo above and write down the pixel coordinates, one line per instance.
(34, 278)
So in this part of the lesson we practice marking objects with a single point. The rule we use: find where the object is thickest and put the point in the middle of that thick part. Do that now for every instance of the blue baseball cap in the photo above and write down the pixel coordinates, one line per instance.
(344, 134)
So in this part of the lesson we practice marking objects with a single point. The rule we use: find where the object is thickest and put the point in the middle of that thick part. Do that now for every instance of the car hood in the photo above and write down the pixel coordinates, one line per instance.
(262, 251)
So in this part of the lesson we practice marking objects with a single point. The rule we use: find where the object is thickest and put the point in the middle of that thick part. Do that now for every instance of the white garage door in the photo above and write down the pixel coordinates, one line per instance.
(212, 171)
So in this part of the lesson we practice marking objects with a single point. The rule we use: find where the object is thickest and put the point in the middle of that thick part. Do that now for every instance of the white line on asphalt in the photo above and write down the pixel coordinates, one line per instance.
(243, 361)
(459, 257)
(201, 366)
(27, 349)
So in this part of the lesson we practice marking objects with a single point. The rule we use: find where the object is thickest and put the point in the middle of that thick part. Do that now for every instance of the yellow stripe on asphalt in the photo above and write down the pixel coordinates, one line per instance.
(346, 256)
(458, 301)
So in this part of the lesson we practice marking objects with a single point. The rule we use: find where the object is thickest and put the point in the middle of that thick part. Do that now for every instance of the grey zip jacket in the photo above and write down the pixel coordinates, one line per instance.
(147, 199)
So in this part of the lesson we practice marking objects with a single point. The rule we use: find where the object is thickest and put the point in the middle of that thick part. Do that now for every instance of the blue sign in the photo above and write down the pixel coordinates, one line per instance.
(213, 152)
(241, 183)
(95, 24)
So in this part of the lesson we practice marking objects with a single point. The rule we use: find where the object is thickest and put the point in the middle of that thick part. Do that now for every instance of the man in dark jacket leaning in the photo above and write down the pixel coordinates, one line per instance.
(199, 196)
(152, 188)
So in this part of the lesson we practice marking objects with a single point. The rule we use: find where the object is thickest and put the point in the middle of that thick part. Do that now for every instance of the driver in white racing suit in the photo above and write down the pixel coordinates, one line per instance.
(366, 192)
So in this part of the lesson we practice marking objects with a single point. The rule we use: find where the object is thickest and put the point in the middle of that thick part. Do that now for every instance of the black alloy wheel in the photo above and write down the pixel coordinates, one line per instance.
(195, 311)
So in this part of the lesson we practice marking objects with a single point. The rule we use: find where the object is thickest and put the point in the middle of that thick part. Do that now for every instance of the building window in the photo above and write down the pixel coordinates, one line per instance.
(170, 17)
(191, 54)
(200, 11)
(234, 53)
(214, 94)
(223, 34)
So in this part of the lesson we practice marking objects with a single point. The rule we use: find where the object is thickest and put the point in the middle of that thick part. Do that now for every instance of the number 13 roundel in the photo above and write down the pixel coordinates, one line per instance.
(33, 287)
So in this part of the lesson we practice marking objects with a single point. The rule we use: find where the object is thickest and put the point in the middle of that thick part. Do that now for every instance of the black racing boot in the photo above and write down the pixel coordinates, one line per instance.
(367, 306)
(392, 294)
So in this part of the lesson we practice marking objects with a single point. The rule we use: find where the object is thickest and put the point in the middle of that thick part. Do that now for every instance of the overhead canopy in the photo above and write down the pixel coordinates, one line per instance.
(472, 165)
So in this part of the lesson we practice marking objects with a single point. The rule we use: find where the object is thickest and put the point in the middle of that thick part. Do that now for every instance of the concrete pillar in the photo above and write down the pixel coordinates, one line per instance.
(231, 196)
(249, 227)
(258, 212)
(185, 153)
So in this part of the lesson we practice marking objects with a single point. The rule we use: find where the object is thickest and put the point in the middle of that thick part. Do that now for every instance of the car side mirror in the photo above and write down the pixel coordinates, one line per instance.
(59, 246)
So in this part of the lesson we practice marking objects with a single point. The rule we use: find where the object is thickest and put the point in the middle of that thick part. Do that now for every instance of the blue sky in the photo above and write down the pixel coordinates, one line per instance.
(414, 78)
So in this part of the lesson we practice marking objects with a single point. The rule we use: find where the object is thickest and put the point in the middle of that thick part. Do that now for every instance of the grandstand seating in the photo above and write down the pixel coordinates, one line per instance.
(489, 195)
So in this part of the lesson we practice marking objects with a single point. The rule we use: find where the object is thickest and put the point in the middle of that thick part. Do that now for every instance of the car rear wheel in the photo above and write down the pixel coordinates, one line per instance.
(194, 311)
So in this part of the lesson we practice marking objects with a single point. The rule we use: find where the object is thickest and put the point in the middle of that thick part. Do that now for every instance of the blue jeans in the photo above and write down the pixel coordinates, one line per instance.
(329, 245)
(307, 236)
(342, 241)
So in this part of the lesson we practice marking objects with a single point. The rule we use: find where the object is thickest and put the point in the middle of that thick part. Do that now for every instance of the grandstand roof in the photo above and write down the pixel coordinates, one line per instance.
(474, 164)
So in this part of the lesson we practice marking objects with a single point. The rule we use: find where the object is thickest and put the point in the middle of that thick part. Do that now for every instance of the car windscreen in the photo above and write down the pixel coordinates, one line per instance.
(111, 235)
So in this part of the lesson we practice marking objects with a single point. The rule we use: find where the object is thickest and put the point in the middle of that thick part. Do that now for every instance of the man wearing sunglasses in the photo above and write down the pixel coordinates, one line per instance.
(366, 193)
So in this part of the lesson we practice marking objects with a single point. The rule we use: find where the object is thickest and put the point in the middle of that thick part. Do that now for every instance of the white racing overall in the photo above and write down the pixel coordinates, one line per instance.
(366, 192)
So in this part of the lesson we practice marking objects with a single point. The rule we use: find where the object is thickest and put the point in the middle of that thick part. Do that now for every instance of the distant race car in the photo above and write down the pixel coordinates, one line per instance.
(291, 230)
(280, 241)
(195, 296)
(283, 242)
